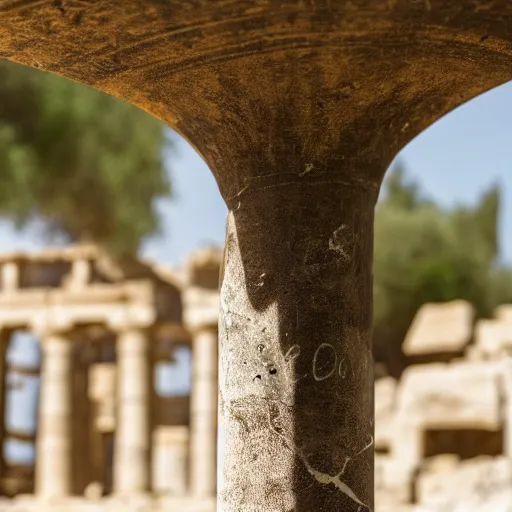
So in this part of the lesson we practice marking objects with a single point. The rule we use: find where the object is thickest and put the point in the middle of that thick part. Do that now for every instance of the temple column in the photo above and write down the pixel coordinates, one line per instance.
(203, 413)
(132, 438)
(4, 345)
(296, 367)
(54, 431)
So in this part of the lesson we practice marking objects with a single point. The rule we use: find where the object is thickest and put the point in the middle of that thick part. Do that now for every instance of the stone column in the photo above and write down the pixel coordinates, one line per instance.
(203, 413)
(54, 431)
(4, 345)
(132, 437)
(296, 367)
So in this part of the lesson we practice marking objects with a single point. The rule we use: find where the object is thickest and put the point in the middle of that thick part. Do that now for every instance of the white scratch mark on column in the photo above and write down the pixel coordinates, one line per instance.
(336, 243)
(367, 447)
(326, 479)
(307, 170)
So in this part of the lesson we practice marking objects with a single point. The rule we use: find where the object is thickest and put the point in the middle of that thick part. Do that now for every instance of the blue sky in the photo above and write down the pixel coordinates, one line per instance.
(454, 161)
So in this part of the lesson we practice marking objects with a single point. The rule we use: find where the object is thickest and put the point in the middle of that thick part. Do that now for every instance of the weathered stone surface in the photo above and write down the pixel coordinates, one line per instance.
(438, 328)
(295, 357)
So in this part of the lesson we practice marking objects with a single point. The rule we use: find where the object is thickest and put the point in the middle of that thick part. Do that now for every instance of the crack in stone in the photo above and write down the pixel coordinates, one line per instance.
(323, 478)
(326, 479)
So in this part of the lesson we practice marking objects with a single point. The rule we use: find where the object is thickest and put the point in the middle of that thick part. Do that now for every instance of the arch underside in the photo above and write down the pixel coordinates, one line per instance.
(355, 79)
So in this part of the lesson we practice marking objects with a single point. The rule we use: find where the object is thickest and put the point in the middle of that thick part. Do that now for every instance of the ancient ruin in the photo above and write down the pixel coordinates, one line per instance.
(443, 431)
(103, 431)
(298, 107)
(443, 436)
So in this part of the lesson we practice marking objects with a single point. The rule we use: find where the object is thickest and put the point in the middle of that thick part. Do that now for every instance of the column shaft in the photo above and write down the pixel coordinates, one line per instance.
(4, 345)
(132, 438)
(54, 437)
(296, 371)
(203, 413)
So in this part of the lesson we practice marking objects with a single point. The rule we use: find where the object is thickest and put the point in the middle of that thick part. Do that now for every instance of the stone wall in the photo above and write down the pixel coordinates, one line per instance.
(444, 430)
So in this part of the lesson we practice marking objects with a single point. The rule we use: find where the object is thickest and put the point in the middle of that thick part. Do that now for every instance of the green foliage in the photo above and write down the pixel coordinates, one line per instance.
(88, 165)
(424, 253)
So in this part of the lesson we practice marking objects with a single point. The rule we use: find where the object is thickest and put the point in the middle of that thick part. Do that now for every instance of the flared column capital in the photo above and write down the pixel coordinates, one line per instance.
(260, 87)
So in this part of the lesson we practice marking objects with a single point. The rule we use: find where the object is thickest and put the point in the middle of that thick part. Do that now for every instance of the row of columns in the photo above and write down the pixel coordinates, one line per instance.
(132, 439)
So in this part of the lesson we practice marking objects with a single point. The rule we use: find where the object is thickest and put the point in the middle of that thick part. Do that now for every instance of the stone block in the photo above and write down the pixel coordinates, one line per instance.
(439, 328)
(457, 395)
